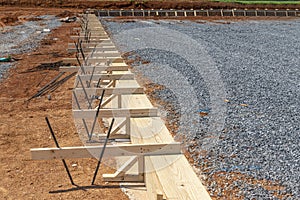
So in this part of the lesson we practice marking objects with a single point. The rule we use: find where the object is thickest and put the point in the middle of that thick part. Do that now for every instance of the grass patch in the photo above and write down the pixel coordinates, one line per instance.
(261, 2)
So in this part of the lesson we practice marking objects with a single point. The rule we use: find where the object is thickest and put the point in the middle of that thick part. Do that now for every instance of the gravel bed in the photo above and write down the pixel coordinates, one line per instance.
(24, 37)
(246, 76)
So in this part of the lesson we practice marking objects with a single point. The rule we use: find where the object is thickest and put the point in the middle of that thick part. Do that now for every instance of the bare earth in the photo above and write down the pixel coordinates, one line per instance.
(22, 126)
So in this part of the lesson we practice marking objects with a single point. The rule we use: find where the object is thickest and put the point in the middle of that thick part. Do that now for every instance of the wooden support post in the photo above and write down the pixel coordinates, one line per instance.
(110, 84)
(118, 127)
(120, 175)
(109, 99)
(159, 195)
(141, 167)
(119, 101)
(128, 127)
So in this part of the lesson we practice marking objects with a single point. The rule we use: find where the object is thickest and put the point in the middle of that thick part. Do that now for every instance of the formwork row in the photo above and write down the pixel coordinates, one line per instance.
(116, 120)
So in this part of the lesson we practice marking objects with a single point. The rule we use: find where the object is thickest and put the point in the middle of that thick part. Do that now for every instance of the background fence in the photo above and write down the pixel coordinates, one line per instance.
(194, 13)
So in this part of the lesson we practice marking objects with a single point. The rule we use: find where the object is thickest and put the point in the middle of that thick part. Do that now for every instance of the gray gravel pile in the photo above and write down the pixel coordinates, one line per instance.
(246, 76)
(24, 38)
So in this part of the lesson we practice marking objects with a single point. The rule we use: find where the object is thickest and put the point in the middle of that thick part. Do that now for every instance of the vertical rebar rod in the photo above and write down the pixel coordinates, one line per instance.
(78, 59)
(83, 120)
(57, 145)
(82, 53)
(102, 152)
(98, 83)
(96, 116)
(93, 71)
(85, 93)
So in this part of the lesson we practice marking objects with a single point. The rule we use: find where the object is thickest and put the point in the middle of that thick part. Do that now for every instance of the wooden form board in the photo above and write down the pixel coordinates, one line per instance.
(89, 44)
(103, 54)
(89, 69)
(89, 49)
(90, 37)
(92, 44)
(95, 40)
(92, 26)
(110, 151)
(171, 176)
(97, 60)
(96, 77)
(115, 112)
(111, 91)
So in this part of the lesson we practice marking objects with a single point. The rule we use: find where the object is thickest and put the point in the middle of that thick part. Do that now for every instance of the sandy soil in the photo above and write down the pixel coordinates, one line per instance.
(22, 126)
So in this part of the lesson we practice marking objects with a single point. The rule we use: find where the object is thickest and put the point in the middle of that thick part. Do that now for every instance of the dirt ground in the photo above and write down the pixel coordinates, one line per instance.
(22, 125)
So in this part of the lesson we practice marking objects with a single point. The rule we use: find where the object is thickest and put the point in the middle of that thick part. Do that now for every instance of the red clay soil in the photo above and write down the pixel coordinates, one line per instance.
(22, 126)
(138, 4)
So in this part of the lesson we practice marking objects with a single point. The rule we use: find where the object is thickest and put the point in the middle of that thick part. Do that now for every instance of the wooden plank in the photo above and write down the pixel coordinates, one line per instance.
(91, 37)
(92, 44)
(93, 26)
(125, 178)
(89, 49)
(120, 173)
(108, 100)
(179, 186)
(171, 172)
(96, 77)
(151, 180)
(89, 69)
(96, 60)
(115, 112)
(95, 40)
(106, 54)
(99, 40)
(97, 54)
(110, 91)
(114, 136)
(164, 173)
(118, 127)
(110, 151)
(126, 166)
